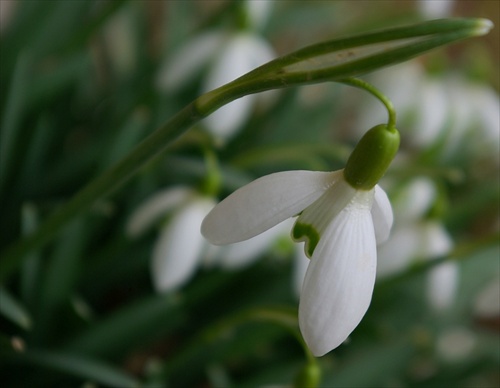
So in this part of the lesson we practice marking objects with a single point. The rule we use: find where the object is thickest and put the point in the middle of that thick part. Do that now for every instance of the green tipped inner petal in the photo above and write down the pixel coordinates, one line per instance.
(307, 233)
(313, 221)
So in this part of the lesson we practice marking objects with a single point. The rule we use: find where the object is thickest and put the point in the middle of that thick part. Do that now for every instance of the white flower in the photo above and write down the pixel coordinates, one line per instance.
(340, 226)
(180, 248)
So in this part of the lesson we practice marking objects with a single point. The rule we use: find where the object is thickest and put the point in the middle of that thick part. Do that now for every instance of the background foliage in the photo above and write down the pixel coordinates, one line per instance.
(78, 91)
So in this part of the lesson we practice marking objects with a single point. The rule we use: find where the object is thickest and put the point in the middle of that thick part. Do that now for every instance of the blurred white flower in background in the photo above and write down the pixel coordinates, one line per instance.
(415, 236)
(455, 344)
(180, 249)
(7, 10)
(435, 9)
(487, 301)
(121, 43)
(226, 55)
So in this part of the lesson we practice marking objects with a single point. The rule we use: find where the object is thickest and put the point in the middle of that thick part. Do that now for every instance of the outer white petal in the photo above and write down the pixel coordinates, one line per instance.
(263, 203)
(242, 54)
(178, 250)
(339, 281)
(154, 208)
(189, 60)
(243, 253)
(382, 215)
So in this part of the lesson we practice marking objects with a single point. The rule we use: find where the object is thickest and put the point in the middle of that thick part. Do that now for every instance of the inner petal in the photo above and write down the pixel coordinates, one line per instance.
(313, 221)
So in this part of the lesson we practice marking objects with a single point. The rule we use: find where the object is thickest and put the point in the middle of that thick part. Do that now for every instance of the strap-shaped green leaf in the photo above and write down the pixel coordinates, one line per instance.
(346, 57)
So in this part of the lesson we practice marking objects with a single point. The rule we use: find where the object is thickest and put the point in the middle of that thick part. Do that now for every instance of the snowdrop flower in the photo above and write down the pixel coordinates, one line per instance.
(180, 248)
(342, 216)
(228, 55)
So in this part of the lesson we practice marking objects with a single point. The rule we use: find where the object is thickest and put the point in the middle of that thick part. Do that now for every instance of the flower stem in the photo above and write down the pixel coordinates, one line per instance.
(358, 83)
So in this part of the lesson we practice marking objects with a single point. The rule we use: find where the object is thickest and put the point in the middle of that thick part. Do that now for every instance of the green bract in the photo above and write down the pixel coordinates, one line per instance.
(371, 157)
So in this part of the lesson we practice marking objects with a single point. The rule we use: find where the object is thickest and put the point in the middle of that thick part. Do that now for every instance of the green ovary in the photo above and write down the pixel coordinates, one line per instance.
(307, 233)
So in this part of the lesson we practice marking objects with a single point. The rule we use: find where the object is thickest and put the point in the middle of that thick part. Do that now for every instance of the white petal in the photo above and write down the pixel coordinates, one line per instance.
(339, 281)
(178, 250)
(263, 203)
(382, 215)
(242, 54)
(155, 208)
(315, 219)
(189, 60)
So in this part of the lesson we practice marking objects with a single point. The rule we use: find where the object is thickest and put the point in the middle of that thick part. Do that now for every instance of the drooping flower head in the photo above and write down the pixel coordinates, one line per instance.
(342, 216)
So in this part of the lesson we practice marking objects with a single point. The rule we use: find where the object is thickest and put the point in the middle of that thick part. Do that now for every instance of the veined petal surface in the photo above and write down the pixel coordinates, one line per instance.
(314, 220)
(263, 203)
(339, 282)
(382, 215)
(178, 249)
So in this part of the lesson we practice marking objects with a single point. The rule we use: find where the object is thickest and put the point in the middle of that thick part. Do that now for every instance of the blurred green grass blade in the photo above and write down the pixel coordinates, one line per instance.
(37, 155)
(31, 269)
(106, 10)
(63, 74)
(370, 366)
(126, 138)
(12, 116)
(13, 310)
(133, 325)
(62, 270)
(234, 334)
(85, 368)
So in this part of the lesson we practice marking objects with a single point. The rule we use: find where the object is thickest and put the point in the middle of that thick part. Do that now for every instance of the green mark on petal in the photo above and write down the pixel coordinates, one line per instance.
(307, 233)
